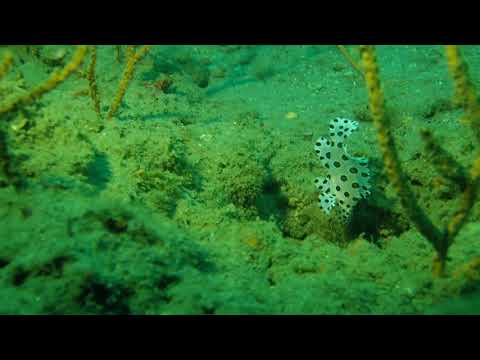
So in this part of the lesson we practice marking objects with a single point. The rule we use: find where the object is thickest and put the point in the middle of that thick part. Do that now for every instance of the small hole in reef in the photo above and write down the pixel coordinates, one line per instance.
(116, 226)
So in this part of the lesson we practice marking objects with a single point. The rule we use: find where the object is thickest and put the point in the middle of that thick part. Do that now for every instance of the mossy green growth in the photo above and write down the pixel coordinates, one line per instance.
(107, 259)
(199, 200)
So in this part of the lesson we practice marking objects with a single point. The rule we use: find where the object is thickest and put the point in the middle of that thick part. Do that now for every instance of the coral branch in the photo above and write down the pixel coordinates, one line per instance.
(6, 64)
(466, 95)
(445, 164)
(133, 58)
(52, 82)
(92, 82)
(391, 162)
(465, 92)
(343, 50)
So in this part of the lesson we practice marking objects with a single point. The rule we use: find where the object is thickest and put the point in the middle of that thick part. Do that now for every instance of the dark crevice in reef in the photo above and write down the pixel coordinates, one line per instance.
(374, 222)
(272, 202)
(374, 218)
(164, 283)
(208, 310)
(103, 298)
(4, 263)
(54, 268)
(167, 280)
(99, 172)
(20, 275)
(8, 175)
(116, 225)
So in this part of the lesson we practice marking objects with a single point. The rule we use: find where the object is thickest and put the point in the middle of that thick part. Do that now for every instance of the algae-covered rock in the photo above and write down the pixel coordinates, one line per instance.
(199, 197)
(91, 257)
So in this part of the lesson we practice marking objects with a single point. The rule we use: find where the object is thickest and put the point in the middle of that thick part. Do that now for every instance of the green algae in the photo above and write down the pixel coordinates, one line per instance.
(200, 200)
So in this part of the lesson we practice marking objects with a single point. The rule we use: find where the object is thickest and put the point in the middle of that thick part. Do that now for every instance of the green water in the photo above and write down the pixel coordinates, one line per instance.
(198, 195)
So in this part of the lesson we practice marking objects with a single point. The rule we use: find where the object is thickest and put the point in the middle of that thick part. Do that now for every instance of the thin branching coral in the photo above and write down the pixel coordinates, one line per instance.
(118, 53)
(465, 93)
(8, 174)
(344, 51)
(52, 82)
(444, 163)
(6, 63)
(92, 82)
(133, 58)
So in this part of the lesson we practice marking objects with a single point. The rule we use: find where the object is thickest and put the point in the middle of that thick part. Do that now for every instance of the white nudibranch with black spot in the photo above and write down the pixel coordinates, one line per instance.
(348, 177)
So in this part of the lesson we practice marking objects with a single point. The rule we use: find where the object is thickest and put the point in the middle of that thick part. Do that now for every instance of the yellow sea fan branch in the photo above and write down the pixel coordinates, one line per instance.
(52, 82)
(133, 58)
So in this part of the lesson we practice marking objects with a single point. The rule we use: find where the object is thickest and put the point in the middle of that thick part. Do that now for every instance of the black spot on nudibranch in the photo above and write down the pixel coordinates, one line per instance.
(346, 194)
(355, 185)
(332, 127)
(344, 157)
(336, 120)
(316, 180)
(353, 170)
(336, 164)
(318, 143)
(364, 174)
(328, 154)
(317, 151)
(340, 145)
(337, 188)
(340, 133)
(343, 178)
(325, 181)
